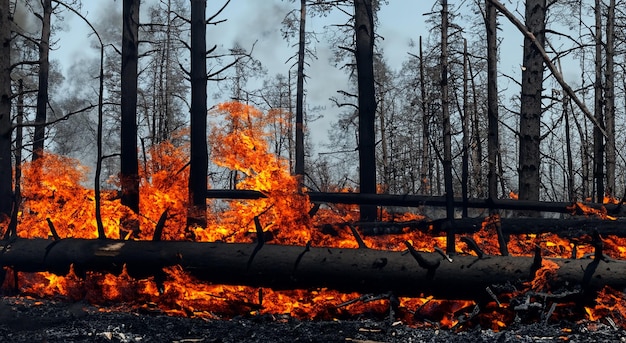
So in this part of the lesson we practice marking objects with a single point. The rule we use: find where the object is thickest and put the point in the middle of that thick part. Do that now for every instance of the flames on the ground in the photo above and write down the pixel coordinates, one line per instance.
(52, 189)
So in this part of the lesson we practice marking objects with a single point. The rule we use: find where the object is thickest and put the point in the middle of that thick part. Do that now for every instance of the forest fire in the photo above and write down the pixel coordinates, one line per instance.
(52, 193)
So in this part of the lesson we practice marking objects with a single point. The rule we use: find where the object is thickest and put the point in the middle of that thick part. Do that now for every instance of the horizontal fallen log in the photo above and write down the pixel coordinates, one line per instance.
(565, 228)
(422, 200)
(298, 267)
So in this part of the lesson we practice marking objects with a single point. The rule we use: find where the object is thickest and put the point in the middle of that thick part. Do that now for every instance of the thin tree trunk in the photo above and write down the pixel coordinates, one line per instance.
(477, 146)
(6, 172)
(199, 151)
(129, 168)
(609, 98)
(493, 135)
(19, 140)
(44, 69)
(465, 180)
(425, 187)
(299, 167)
(364, 27)
(447, 132)
(568, 146)
(598, 138)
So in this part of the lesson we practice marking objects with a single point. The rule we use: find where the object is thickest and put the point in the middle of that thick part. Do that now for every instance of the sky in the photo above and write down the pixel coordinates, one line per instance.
(250, 21)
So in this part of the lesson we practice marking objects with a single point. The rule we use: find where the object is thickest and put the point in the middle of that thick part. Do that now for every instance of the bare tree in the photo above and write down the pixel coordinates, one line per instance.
(299, 144)
(129, 171)
(199, 151)
(364, 52)
(598, 138)
(5, 110)
(609, 96)
(447, 130)
(531, 108)
(492, 98)
(44, 69)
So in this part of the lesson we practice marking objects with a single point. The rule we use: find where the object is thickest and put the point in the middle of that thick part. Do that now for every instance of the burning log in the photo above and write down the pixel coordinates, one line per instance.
(299, 267)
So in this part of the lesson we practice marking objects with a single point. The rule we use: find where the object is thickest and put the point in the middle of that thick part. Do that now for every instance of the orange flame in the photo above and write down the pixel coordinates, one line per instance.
(52, 189)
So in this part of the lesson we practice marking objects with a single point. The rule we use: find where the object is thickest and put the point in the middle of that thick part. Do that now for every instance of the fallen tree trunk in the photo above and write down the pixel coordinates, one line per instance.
(566, 228)
(298, 267)
(423, 200)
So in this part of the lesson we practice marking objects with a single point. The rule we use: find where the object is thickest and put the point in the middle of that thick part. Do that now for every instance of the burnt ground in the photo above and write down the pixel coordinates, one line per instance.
(32, 320)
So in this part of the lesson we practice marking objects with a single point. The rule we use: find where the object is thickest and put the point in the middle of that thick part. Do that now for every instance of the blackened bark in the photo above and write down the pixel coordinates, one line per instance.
(196, 214)
(298, 267)
(425, 187)
(299, 167)
(447, 131)
(609, 96)
(44, 69)
(422, 200)
(129, 171)
(531, 109)
(465, 180)
(6, 172)
(364, 27)
(598, 138)
(493, 132)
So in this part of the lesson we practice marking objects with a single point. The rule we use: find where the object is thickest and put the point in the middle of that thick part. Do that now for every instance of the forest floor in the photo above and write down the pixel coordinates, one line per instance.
(34, 320)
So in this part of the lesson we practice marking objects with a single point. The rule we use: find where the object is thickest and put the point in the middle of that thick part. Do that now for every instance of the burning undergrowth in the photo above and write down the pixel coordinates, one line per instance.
(53, 195)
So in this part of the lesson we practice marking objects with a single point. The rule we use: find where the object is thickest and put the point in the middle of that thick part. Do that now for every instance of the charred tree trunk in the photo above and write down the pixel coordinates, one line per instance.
(465, 180)
(447, 131)
(42, 91)
(598, 138)
(493, 135)
(297, 267)
(299, 167)
(531, 108)
(609, 96)
(129, 168)
(6, 172)
(364, 27)
(422, 200)
(196, 214)
(425, 187)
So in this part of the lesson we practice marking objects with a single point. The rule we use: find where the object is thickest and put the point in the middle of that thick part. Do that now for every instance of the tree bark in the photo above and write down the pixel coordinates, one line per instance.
(531, 108)
(199, 151)
(447, 131)
(6, 172)
(129, 167)
(598, 138)
(299, 166)
(609, 96)
(493, 134)
(566, 228)
(297, 267)
(465, 180)
(364, 29)
(422, 200)
(42, 91)
(425, 186)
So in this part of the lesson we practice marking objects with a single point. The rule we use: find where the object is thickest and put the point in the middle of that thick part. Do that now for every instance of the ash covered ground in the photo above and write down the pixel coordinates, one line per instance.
(32, 320)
